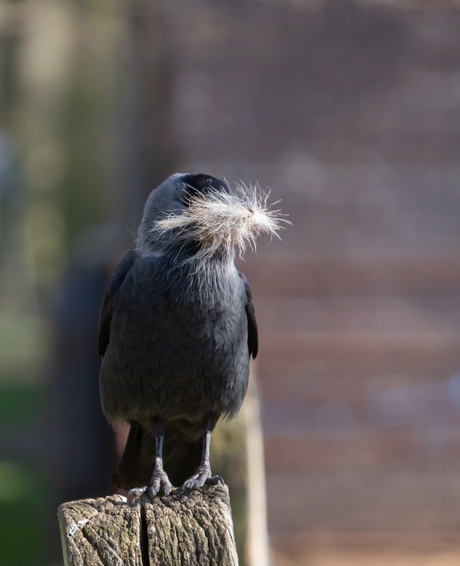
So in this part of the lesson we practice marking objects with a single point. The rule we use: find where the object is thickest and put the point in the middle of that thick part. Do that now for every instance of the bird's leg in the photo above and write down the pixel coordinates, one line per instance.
(204, 469)
(203, 474)
(159, 481)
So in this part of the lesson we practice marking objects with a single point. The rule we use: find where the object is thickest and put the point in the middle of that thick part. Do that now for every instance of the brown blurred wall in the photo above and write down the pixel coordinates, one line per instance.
(350, 112)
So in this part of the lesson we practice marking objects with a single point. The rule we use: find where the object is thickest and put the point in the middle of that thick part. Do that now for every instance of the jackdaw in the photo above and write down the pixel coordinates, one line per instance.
(177, 328)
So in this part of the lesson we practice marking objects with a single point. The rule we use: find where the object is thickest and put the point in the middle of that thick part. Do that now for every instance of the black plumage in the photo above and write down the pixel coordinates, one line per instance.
(177, 328)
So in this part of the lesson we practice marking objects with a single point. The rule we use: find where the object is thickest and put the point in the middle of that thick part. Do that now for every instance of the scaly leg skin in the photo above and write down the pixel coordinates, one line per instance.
(159, 481)
(203, 474)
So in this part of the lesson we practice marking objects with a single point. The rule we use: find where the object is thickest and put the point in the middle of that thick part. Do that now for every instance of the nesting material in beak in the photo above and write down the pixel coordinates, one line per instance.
(219, 221)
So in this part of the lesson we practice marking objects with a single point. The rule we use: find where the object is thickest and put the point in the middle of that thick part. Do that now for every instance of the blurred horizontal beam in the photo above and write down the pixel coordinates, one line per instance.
(363, 501)
(360, 351)
(359, 313)
(300, 274)
(412, 449)
(338, 548)
(350, 386)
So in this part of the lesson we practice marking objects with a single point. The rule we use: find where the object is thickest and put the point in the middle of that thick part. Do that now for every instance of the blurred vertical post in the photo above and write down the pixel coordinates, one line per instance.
(144, 146)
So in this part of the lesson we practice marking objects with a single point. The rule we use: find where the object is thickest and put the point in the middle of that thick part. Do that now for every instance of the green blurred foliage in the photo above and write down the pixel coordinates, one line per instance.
(58, 69)
(24, 489)
(22, 532)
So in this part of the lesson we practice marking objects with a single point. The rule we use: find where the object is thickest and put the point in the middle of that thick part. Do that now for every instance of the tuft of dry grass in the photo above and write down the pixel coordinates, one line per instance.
(221, 221)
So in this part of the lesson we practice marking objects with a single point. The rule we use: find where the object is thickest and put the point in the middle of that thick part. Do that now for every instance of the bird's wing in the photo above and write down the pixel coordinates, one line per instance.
(105, 316)
(253, 341)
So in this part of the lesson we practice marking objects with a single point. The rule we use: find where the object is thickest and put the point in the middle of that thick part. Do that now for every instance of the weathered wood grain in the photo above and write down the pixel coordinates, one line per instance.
(184, 528)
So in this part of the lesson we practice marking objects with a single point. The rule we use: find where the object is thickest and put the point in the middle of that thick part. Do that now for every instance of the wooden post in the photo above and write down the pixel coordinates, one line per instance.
(185, 528)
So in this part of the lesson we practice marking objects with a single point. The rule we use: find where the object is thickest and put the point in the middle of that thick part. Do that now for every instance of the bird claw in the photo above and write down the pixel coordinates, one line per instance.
(136, 493)
(194, 482)
(159, 483)
(199, 479)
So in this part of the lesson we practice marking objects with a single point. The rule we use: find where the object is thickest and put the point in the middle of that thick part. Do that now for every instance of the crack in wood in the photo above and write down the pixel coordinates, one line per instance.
(143, 536)
(192, 529)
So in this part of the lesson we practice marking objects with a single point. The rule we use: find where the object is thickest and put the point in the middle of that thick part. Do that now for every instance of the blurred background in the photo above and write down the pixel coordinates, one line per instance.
(350, 112)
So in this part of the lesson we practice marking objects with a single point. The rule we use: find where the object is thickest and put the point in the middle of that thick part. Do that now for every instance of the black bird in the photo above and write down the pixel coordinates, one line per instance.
(177, 328)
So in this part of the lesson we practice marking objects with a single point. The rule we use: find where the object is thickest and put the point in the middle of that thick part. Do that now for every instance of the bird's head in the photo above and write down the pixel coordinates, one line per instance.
(199, 217)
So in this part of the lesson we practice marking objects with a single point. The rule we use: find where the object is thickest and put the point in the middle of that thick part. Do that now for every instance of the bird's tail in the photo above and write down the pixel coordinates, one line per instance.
(181, 458)
(136, 464)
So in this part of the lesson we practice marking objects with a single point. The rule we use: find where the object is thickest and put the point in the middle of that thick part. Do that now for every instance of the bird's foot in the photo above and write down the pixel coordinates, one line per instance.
(136, 493)
(159, 483)
(202, 476)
